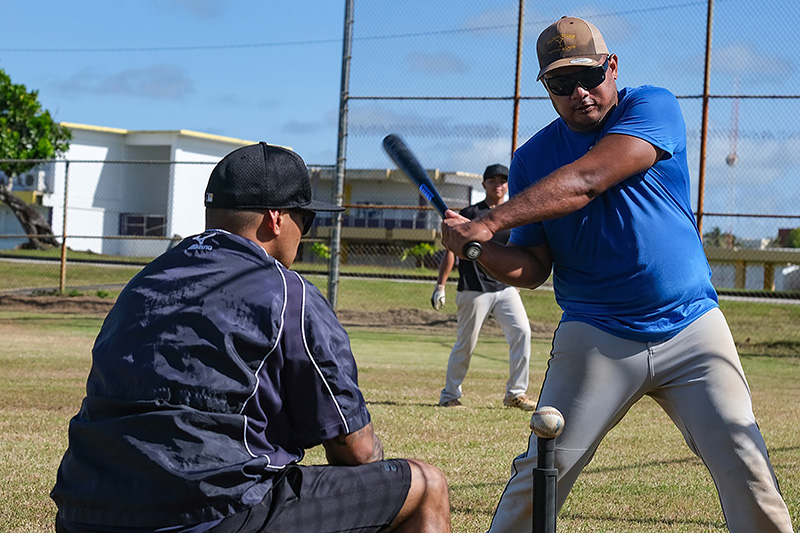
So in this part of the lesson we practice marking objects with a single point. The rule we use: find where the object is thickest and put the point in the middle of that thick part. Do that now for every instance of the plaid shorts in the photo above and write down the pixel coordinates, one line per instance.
(328, 499)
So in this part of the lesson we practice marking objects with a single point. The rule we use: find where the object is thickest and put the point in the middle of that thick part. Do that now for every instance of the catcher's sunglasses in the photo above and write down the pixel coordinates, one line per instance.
(308, 219)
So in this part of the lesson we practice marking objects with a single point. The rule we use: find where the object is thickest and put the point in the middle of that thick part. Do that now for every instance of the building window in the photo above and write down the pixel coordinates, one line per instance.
(142, 225)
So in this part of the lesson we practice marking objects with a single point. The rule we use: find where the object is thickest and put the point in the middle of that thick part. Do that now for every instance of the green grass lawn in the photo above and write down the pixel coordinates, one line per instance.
(642, 479)
(45, 276)
(84, 269)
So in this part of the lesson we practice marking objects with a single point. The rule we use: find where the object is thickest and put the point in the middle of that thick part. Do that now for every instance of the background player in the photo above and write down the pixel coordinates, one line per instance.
(479, 295)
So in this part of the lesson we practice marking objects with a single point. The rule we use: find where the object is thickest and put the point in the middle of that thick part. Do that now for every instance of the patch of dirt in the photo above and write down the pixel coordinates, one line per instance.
(423, 320)
(392, 319)
(80, 305)
(400, 319)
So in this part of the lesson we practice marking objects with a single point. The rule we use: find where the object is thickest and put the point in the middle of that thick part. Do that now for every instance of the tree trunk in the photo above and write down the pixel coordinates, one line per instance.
(31, 221)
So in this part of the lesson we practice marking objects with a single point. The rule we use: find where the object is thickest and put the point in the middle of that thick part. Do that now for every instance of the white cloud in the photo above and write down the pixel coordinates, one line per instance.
(380, 120)
(502, 19)
(162, 82)
(197, 8)
(303, 127)
(436, 63)
(237, 99)
(476, 155)
(740, 61)
(743, 60)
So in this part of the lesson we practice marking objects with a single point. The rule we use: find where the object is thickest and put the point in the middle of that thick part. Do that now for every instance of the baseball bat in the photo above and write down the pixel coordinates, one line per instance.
(411, 167)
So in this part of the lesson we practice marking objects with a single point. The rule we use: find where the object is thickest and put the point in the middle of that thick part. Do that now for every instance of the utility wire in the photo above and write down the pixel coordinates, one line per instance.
(473, 29)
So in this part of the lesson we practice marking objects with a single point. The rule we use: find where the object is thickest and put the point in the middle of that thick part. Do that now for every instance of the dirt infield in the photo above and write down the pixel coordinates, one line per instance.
(396, 319)
(82, 305)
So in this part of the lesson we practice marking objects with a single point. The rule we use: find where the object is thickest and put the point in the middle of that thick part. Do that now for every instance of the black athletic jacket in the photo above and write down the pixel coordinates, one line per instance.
(216, 368)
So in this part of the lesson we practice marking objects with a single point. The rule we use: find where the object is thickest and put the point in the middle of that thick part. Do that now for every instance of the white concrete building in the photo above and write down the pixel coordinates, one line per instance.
(112, 198)
(122, 183)
(130, 192)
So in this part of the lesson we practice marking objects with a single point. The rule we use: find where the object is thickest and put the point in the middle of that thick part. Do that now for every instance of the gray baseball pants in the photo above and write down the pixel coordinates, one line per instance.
(473, 308)
(593, 378)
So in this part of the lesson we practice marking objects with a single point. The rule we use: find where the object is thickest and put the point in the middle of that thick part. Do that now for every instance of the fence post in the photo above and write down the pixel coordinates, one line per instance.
(701, 185)
(520, 29)
(341, 151)
(769, 276)
(63, 279)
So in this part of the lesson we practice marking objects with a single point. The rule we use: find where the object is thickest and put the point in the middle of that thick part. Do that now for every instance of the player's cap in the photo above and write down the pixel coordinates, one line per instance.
(570, 42)
(262, 176)
(495, 170)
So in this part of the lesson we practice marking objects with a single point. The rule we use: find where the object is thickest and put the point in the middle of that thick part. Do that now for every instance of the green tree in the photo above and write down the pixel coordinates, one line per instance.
(716, 238)
(420, 252)
(793, 240)
(321, 250)
(713, 237)
(27, 132)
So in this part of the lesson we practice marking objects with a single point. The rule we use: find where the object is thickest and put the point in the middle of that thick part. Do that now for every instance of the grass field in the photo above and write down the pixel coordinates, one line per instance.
(642, 479)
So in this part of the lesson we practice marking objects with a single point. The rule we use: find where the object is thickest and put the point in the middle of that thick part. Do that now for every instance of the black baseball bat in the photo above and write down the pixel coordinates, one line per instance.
(406, 161)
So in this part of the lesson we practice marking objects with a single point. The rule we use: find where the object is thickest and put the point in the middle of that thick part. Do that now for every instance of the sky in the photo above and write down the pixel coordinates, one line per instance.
(266, 70)
(271, 70)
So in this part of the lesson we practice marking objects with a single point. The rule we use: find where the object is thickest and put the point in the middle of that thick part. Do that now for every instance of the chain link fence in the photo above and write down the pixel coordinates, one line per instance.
(444, 76)
(118, 215)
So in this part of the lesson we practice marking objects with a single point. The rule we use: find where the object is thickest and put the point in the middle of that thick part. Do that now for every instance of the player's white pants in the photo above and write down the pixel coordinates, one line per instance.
(593, 378)
(473, 308)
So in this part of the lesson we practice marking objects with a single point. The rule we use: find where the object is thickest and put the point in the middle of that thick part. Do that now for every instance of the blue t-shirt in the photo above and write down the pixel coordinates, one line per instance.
(630, 262)
(215, 369)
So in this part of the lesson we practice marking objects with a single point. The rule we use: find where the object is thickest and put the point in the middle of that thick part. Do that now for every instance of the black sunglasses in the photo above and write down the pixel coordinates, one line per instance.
(307, 218)
(588, 78)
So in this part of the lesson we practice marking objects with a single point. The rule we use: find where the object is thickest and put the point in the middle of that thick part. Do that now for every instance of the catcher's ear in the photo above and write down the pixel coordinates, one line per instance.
(270, 225)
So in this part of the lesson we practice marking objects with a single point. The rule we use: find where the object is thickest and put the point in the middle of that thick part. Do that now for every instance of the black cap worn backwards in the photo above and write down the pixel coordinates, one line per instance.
(495, 170)
(262, 176)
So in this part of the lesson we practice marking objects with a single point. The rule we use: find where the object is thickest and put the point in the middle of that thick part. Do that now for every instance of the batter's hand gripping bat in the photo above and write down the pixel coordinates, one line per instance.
(411, 167)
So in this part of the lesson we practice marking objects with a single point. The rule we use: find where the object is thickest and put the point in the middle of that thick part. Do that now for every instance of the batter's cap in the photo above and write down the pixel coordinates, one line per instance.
(262, 176)
(570, 42)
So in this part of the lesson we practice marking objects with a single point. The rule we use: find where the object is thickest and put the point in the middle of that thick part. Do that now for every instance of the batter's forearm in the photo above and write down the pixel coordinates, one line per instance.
(614, 158)
(559, 194)
(519, 267)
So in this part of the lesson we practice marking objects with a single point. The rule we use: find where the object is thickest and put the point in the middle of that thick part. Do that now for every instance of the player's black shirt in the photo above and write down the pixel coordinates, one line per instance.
(471, 277)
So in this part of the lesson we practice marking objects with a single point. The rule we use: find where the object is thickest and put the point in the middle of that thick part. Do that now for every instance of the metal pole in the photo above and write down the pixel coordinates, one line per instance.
(341, 157)
(701, 185)
(545, 478)
(547, 424)
(63, 280)
(515, 128)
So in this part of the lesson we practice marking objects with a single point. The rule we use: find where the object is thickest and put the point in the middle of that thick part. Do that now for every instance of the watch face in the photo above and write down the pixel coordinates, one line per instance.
(472, 250)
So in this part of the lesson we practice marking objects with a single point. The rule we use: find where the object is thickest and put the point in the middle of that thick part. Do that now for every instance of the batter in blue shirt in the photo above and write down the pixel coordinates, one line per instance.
(600, 198)
(613, 259)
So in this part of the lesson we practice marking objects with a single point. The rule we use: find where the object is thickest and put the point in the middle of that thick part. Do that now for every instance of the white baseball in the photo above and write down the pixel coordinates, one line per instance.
(547, 422)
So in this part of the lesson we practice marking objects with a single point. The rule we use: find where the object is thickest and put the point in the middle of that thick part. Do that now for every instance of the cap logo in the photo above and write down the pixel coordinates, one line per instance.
(559, 42)
(581, 60)
(209, 197)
